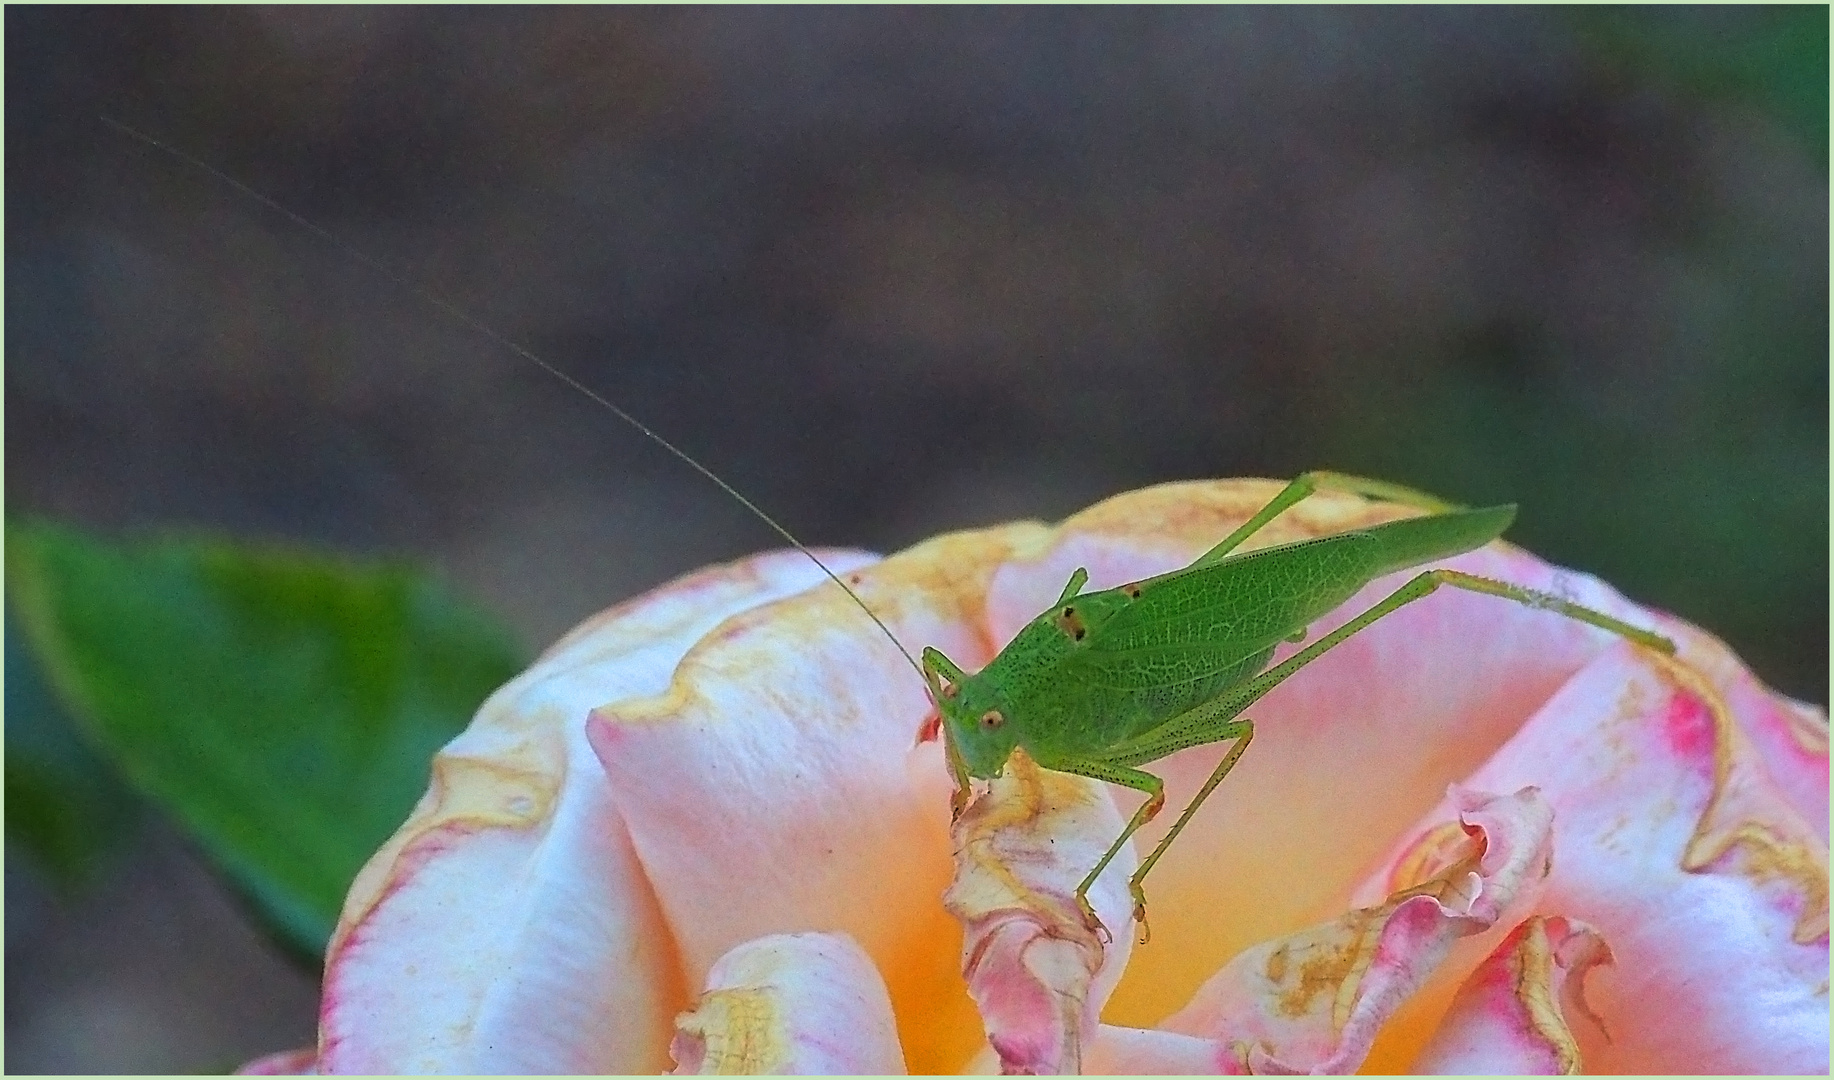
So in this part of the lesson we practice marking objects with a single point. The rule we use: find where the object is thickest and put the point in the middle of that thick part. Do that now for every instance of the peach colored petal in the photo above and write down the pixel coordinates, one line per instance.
(508, 927)
(790, 1004)
(1511, 1015)
(1314, 1001)
(1674, 840)
(303, 1062)
(1037, 971)
(779, 786)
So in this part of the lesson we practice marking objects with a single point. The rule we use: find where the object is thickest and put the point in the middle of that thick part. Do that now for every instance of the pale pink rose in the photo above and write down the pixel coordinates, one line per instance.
(705, 832)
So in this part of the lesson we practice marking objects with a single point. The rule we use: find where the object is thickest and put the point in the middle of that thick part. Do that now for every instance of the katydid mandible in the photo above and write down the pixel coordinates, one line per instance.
(1104, 682)
(1107, 681)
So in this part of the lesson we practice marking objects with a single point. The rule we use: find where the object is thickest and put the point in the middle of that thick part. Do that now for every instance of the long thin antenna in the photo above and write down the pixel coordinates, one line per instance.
(471, 322)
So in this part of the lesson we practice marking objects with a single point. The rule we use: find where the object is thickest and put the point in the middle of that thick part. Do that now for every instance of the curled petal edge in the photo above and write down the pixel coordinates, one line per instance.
(1511, 1014)
(1313, 1001)
(1037, 969)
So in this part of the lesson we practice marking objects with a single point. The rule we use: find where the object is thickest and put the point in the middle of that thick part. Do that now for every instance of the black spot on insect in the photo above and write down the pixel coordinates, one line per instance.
(1071, 623)
(992, 719)
(1132, 591)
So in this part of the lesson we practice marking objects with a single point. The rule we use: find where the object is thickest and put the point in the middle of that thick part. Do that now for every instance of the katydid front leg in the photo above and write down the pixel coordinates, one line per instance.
(1126, 777)
(936, 668)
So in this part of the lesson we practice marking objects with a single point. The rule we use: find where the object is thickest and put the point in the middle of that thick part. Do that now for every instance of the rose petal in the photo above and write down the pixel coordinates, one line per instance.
(507, 926)
(1673, 839)
(785, 756)
(302, 1062)
(1711, 889)
(790, 1004)
(1510, 1016)
(1314, 1001)
(778, 755)
(1039, 974)
(1126, 1051)
(1789, 737)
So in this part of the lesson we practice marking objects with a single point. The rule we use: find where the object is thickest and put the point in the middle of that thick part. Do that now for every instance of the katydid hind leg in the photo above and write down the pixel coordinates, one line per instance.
(1381, 489)
(1217, 720)
(1545, 601)
(1306, 484)
(1300, 487)
(1419, 587)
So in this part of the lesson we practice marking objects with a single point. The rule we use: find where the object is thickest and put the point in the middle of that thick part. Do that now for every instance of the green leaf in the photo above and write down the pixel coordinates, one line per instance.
(283, 705)
(64, 806)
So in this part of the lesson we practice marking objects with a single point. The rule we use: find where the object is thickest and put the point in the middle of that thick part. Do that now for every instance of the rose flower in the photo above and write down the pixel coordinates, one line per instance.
(707, 831)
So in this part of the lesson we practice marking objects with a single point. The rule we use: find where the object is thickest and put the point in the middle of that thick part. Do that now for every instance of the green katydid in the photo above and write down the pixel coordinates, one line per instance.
(1104, 682)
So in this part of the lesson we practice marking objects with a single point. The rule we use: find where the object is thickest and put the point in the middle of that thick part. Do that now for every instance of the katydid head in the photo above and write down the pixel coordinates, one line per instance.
(974, 717)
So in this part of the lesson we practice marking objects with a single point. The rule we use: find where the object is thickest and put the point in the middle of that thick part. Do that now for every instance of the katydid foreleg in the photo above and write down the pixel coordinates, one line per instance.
(935, 668)
(1126, 777)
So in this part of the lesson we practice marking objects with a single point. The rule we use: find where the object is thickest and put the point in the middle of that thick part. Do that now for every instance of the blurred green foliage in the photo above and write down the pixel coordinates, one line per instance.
(1660, 514)
(283, 705)
(1709, 495)
(1771, 57)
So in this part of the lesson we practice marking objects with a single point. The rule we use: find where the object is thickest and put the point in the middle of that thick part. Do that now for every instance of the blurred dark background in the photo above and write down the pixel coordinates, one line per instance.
(887, 271)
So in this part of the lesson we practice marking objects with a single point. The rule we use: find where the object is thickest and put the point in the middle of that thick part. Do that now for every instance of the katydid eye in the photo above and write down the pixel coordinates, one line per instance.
(991, 719)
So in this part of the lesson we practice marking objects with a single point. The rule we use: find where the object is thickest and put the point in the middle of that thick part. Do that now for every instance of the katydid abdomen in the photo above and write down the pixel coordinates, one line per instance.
(1099, 670)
